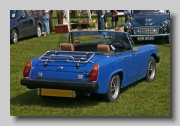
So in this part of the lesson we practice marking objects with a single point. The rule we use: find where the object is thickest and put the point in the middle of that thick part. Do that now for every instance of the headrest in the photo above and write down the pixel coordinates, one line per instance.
(103, 47)
(67, 47)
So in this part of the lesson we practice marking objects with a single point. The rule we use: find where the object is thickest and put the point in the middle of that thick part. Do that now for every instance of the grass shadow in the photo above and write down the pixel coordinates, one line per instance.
(30, 98)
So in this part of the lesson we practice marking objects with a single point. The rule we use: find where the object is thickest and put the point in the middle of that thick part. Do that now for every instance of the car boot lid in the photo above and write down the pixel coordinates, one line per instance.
(66, 60)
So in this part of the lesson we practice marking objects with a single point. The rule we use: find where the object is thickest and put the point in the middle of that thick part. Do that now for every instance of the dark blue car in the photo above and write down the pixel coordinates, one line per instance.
(149, 24)
(25, 23)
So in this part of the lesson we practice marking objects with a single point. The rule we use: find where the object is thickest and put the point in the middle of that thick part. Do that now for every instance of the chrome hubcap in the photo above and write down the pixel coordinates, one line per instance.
(15, 37)
(38, 31)
(151, 70)
(115, 86)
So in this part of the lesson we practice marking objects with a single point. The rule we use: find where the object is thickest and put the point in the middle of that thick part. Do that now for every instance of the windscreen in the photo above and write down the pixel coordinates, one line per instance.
(99, 36)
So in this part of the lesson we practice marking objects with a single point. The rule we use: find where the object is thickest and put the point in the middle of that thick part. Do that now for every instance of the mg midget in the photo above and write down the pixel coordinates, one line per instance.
(100, 62)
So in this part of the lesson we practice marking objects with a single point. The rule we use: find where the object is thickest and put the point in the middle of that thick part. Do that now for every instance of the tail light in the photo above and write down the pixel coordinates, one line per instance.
(27, 69)
(94, 72)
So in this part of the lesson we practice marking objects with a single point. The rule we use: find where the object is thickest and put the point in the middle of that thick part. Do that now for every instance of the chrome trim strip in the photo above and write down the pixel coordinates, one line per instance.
(150, 35)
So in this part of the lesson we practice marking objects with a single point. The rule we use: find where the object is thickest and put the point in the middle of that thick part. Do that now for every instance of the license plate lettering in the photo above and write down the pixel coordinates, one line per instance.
(145, 38)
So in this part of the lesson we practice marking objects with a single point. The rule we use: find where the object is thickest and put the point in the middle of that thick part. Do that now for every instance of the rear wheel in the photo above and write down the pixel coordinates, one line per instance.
(113, 89)
(151, 70)
(14, 36)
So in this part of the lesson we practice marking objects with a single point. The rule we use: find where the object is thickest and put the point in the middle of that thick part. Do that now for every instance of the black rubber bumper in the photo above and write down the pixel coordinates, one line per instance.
(56, 84)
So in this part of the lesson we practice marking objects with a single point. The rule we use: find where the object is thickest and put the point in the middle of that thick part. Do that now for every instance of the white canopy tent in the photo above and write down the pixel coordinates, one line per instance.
(68, 17)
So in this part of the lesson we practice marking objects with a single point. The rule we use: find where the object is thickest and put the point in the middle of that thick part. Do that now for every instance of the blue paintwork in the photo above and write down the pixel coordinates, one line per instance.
(132, 69)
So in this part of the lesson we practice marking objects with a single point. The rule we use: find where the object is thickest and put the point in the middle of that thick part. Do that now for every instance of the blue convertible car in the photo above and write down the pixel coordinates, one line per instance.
(149, 24)
(89, 62)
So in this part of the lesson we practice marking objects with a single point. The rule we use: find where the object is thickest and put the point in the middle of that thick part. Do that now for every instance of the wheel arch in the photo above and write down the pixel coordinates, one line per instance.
(155, 57)
(113, 92)
(104, 83)
(120, 74)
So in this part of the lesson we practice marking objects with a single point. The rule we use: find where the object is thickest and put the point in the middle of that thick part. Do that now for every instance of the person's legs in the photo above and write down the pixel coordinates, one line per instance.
(50, 21)
(91, 11)
(127, 17)
(113, 21)
(58, 16)
(48, 28)
(105, 20)
(46, 23)
(116, 21)
(100, 21)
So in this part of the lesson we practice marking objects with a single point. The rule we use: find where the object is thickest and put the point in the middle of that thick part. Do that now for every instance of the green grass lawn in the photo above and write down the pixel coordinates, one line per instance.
(138, 99)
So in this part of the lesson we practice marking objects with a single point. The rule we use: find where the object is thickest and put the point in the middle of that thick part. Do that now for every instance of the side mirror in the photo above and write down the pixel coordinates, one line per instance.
(135, 49)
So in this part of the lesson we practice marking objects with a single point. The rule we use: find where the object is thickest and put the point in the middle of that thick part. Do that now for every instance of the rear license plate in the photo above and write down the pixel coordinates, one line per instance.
(145, 38)
(57, 92)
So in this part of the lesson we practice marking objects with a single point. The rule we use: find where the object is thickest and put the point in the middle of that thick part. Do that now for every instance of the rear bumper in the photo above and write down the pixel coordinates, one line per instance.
(56, 84)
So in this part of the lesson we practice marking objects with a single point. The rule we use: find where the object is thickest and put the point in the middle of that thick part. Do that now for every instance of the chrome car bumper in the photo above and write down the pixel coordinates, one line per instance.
(156, 35)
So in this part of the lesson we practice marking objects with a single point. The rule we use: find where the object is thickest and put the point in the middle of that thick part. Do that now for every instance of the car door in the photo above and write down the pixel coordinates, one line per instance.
(22, 23)
(31, 28)
(132, 63)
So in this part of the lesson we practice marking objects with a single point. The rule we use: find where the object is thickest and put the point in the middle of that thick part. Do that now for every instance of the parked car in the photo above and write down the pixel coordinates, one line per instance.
(100, 62)
(25, 23)
(149, 24)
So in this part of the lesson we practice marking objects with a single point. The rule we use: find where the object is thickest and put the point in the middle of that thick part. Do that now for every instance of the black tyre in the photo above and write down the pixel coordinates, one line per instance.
(167, 39)
(151, 70)
(14, 36)
(113, 89)
(39, 31)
